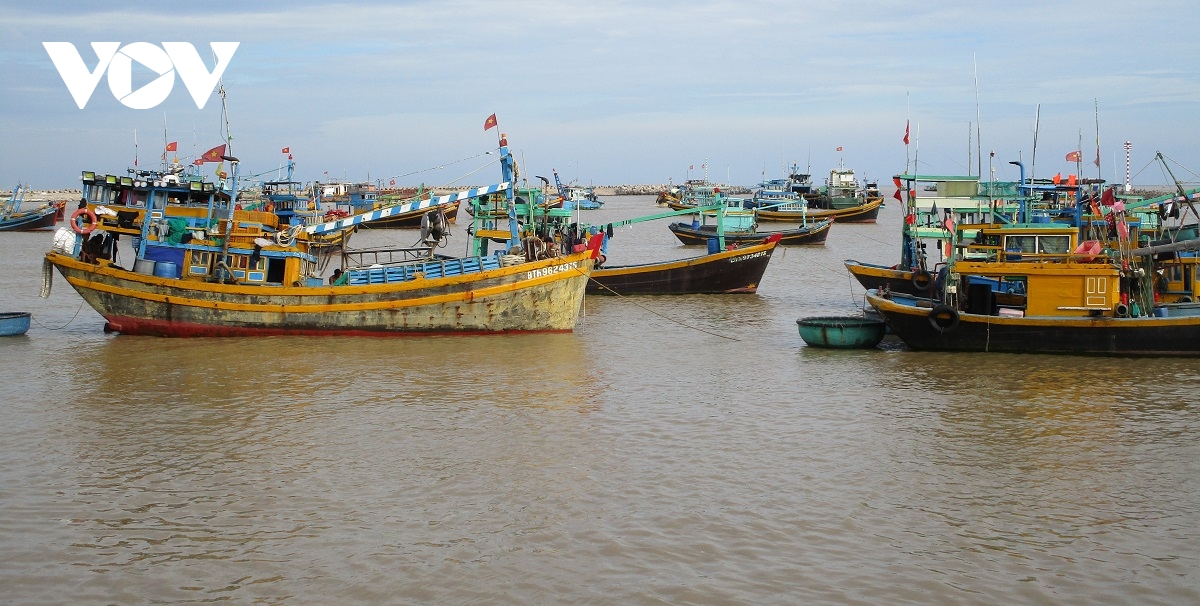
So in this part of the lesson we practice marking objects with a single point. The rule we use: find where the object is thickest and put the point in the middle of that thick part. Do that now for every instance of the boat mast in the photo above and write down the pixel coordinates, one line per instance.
(227, 272)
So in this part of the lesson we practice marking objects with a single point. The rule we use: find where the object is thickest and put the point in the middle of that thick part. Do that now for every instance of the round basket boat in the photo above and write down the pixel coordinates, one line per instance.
(14, 323)
(842, 332)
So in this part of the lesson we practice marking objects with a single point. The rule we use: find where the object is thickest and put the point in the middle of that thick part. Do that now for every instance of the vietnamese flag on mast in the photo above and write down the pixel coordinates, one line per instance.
(906, 132)
(1074, 156)
(286, 150)
(490, 122)
(212, 155)
(173, 146)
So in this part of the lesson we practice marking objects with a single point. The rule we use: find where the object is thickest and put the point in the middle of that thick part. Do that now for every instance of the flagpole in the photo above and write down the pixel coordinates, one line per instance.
(135, 148)
(907, 121)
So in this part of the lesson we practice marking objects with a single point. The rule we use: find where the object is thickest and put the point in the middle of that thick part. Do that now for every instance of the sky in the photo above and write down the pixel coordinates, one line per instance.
(621, 92)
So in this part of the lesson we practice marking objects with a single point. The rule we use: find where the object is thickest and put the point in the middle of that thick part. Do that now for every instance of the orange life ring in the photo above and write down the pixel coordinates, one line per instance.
(78, 226)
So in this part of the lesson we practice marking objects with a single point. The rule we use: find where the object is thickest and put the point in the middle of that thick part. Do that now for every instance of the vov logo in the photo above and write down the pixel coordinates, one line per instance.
(172, 57)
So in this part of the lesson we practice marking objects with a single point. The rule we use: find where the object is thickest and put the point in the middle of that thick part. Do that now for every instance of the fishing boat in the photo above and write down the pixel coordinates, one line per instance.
(724, 269)
(739, 227)
(842, 198)
(14, 323)
(12, 218)
(583, 198)
(697, 234)
(729, 271)
(842, 332)
(231, 272)
(1065, 307)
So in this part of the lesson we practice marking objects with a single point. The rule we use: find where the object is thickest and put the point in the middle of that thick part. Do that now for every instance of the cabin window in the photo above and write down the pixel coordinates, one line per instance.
(1054, 245)
(1024, 244)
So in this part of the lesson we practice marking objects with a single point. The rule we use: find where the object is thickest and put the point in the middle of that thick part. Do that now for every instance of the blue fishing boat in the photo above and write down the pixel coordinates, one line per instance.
(14, 323)
(583, 198)
(12, 218)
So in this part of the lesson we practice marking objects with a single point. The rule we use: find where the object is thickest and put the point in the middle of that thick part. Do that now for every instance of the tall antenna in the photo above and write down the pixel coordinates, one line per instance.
(979, 147)
(1037, 117)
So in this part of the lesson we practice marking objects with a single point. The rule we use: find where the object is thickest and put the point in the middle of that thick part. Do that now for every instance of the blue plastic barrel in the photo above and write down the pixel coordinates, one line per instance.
(166, 269)
(714, 246)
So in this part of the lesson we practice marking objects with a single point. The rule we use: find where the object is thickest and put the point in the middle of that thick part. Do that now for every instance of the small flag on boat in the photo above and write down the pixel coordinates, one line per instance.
(286, 150)
(1097, 161)
(839, 148)
(906, 124)
(490, 122)
(212, 155)
(1074, 156)
(173, 146)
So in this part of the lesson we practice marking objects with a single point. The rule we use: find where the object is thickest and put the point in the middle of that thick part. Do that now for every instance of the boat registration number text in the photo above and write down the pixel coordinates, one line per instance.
(548, 271)
(748, 257)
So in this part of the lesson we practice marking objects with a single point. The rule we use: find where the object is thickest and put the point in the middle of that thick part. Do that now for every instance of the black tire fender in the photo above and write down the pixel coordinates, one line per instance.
(922, 280)
(943, 318)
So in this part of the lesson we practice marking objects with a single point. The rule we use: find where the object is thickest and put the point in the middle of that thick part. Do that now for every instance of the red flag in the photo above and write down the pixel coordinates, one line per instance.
(839, 148)
(896, 195)
(906, 132)
(286, 150)
(393, 182)
(490, 122)
(1108, 198)
(1097, 162)
(289, 156)
(691, 166)
(1073, 156)
(173, 146)
(212, 155)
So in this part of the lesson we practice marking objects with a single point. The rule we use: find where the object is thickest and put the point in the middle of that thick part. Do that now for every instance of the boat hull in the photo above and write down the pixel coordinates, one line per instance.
(879, 277)
(868, 212)
(42, 218)
(542, 296)
(808, 235)
(1148, 336)
(731, 271)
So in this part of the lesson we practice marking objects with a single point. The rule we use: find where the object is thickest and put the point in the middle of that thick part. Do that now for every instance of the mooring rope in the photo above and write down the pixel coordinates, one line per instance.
(663, 316)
